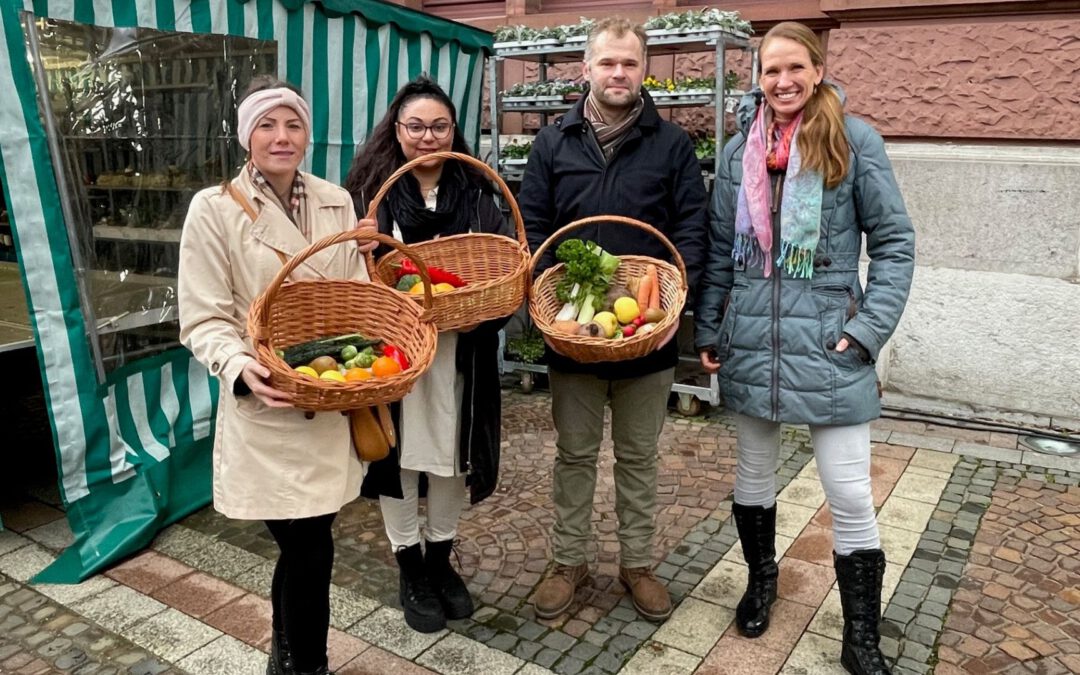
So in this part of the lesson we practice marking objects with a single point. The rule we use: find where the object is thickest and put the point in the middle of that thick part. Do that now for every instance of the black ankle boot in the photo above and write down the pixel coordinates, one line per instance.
(859, 576)
(446, 582)
(281, 661)
(320, 671)
(757, 533)
(423, 612)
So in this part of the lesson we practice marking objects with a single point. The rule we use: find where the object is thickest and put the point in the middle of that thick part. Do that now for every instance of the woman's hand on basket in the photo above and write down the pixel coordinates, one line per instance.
(368, 226)
(709, 360)
(255, 376)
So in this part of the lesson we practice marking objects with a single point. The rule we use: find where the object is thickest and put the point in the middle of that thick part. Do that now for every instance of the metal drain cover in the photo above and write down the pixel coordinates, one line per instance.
(1051, 446)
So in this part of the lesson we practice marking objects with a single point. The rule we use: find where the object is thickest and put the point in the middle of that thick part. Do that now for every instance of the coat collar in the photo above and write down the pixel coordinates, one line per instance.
(274, 229)
(575, 117)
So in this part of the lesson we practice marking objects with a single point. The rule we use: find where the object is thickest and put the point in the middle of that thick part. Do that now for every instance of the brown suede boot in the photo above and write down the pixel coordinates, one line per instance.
(650, 597)
(555, 594)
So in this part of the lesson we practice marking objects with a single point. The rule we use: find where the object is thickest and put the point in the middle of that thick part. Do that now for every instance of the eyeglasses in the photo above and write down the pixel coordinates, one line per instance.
(416, 130)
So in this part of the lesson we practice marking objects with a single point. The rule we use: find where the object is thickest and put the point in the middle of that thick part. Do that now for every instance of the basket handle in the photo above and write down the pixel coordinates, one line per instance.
(262, 318)
(577, 224)
(515, 212)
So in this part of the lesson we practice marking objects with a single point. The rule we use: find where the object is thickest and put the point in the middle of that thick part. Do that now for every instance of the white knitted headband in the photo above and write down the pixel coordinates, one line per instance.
(254, 107)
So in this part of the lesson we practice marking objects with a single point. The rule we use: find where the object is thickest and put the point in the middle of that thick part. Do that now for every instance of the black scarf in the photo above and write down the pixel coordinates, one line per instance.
(451, 214)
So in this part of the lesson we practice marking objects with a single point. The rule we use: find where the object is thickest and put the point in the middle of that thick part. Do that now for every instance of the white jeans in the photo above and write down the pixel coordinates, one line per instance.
(445, 501)
(843, 461)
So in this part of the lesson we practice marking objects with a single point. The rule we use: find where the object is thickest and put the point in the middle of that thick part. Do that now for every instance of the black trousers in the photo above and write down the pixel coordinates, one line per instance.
(300, 592)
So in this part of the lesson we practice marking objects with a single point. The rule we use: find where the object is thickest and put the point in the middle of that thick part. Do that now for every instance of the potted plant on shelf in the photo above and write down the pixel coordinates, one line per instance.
(576, 33)
(514, 37)
(549, 92)
(515, 153)
(693, 22)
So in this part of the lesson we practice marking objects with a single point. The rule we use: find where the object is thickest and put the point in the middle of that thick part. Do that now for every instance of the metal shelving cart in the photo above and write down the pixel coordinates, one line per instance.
(690, 389)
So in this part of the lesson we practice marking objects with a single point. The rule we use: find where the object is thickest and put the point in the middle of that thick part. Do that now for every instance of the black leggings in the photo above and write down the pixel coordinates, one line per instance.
(300, 592)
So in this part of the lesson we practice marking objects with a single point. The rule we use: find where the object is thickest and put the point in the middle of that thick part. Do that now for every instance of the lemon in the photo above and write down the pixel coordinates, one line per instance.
(626, 309)
(307, 370)
(332, 375)
(442, 288)
(417, 288)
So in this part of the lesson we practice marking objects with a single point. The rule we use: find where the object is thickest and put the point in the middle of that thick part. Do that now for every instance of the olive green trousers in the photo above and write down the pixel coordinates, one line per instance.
(638, 410)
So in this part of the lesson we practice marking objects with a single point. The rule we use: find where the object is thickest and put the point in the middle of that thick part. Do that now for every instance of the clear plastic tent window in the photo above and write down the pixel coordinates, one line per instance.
(139, 120)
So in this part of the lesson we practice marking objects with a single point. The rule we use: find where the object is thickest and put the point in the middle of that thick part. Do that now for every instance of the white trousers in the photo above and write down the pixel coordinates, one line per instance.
(843, 461)
(445, 501)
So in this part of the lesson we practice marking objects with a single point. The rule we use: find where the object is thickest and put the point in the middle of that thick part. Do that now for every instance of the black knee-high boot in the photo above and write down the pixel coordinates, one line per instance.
(757, 534)
(446, 582)
(423, 611)
(281, 661)
(859, 576)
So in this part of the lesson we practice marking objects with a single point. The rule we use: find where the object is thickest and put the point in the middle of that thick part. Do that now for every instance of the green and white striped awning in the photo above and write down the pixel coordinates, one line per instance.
(133, 451)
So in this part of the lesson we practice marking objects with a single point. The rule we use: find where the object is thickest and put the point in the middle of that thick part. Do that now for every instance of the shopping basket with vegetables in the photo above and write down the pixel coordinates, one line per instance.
(477, 276)
(593, 306)
(302, 327)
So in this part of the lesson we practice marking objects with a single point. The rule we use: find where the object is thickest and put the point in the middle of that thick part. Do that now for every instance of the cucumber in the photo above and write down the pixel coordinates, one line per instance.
(306, 352)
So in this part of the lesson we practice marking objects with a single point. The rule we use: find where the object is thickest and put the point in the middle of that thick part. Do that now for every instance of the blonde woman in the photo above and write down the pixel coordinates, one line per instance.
(783, 317)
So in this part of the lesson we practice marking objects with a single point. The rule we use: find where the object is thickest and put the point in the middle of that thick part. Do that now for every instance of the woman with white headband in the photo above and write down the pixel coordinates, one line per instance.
(271, 462)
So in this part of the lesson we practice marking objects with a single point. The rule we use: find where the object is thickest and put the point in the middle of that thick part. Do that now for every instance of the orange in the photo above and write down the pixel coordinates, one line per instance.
(357, 374)
(385, 366)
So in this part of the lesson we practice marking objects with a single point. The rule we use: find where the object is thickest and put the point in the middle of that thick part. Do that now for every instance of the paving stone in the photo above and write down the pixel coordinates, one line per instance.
(655, 658)
(118, 608)
(457, 655)
(530, 630)
(547, 657)
(584, 651)
(523, 649)
(386, 628)
(558, 641)
(225, 655)
(640, 629)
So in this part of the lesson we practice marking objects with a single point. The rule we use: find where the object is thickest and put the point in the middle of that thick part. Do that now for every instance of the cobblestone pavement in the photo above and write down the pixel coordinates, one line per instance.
(982, 576)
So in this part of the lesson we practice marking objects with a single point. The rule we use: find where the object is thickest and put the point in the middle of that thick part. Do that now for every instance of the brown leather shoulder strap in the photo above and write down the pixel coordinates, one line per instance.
(245, 204)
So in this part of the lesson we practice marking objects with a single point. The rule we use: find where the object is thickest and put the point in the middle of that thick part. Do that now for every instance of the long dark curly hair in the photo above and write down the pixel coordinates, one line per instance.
(381, 155)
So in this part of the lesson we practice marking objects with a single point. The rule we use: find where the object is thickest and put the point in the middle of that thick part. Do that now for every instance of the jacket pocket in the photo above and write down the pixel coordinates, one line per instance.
(838, 294)
(832, 331)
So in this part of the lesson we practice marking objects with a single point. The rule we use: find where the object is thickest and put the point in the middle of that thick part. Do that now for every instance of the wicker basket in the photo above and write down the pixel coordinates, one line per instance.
(495, 267)
(290, 313)
(544, 304)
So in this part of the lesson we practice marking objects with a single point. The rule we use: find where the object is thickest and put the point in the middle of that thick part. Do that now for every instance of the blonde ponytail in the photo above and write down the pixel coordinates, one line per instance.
(822, 141)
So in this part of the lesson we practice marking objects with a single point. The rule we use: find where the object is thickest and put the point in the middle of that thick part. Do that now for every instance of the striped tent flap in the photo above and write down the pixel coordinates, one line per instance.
(153, 416)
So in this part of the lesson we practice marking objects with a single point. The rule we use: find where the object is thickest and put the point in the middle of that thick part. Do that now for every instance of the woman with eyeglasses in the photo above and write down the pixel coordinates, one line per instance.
(448, 426)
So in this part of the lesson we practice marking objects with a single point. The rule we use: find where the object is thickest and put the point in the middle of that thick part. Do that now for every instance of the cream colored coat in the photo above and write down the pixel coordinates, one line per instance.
(269, 463)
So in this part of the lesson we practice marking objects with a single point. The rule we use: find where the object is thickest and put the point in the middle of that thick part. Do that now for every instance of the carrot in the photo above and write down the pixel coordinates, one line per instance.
(644, 292)
(654, 287)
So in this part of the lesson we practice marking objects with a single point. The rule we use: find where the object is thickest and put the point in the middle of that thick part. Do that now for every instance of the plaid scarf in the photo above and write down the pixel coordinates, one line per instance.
(609, 135)
(294, 210)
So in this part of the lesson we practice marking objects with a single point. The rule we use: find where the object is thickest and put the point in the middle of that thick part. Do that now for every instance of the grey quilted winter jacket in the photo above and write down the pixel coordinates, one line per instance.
(776, 336)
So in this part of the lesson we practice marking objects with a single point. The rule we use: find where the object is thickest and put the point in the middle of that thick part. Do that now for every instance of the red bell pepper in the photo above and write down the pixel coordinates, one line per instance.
(397, 354)
(437, 274)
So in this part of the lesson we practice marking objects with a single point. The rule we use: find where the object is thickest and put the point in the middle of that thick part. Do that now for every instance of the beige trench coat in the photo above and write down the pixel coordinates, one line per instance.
(269, 463)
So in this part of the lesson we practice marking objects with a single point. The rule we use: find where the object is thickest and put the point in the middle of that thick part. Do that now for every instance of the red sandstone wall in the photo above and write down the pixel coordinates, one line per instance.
(1016, 80)
(991, 80)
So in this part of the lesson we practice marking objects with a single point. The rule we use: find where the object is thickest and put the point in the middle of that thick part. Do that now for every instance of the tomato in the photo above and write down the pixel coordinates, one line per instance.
(397, 354)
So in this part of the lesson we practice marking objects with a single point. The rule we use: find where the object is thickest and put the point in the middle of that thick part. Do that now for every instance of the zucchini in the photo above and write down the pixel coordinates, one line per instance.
(306, 352)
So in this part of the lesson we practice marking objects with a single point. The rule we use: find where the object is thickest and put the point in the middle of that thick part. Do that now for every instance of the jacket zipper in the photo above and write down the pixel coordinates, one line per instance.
(778, 192)
(598, 155)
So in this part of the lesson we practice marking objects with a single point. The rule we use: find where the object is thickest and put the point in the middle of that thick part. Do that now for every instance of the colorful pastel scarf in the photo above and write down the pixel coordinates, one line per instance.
(800, 206)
